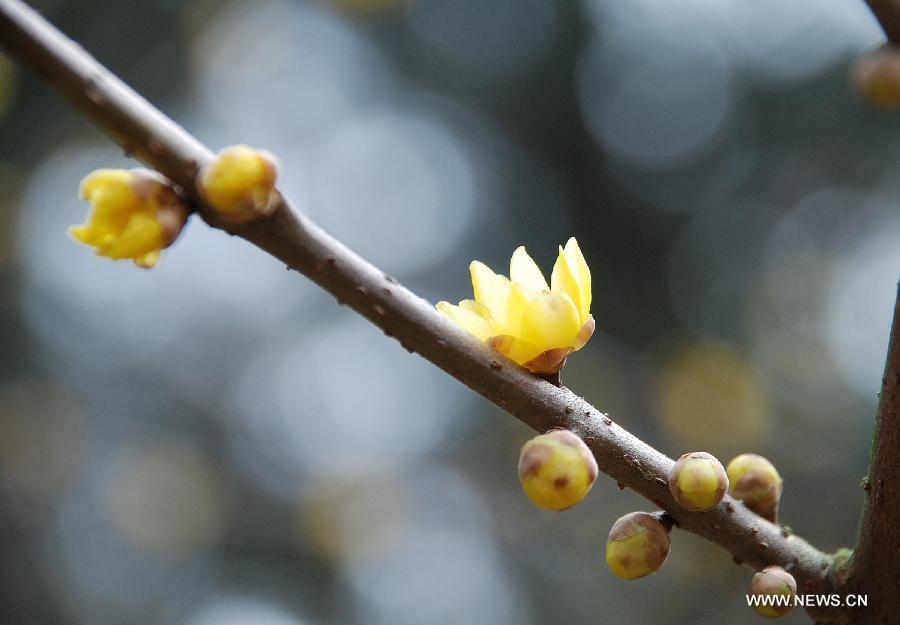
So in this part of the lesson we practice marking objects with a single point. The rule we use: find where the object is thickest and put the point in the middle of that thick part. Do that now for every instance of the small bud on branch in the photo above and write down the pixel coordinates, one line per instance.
(557, 470)
(638, 545)
(754, 480)
(134, 214)
(698, 481)
(773, 581)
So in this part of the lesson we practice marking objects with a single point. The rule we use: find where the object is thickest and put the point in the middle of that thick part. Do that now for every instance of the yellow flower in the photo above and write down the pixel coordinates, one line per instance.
(239, 183)
(529, 322)
(134, 214)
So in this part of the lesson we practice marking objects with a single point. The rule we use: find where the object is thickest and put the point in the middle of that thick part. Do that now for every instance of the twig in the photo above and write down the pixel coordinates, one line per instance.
(293, 239)
(887, 12)
(875, 566)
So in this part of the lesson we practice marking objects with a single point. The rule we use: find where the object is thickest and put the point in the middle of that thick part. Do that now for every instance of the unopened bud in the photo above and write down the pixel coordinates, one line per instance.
(557, 469)
(755, 481)
(638, 545)
(239, 183)
(135, 213)
(698, 481)
(773, 581)
(876, 76)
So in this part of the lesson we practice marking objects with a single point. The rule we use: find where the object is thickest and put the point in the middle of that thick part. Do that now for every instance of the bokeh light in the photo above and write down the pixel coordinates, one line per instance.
(504, 41)
(242, 610)
(337, 399)
(710, 398)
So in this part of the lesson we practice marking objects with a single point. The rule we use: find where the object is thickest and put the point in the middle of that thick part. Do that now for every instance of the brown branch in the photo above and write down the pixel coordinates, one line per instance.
(887, 12)
(875, 566)
(296, 241)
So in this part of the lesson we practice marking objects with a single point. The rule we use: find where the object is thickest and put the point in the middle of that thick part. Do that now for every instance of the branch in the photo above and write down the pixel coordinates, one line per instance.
(887, 12)
(875, 567)
(293, 239)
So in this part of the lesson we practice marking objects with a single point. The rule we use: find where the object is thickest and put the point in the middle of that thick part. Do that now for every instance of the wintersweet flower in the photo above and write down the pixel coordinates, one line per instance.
(530, 322)
(239, 183)
(134, 214)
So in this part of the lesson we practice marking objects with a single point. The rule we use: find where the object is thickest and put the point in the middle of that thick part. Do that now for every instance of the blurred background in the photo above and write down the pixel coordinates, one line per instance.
(215, 442)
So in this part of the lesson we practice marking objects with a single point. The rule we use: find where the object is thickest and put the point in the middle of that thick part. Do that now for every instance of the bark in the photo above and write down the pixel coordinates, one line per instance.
(874, 569)
(887, 12)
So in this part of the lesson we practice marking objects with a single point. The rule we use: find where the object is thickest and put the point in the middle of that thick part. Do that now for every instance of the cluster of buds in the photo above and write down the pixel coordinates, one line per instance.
(556, 469)
(137, 213)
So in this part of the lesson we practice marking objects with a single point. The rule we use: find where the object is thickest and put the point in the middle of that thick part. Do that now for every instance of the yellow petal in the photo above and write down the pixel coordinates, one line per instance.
(482, 311)
(524, 270)
(564, 280)
(475, 307)
(81, 233)
(142, 235)
(496, 293)
(102, 180)
(148, 260)
(582, 273)
(514, 348)
(490, 290)
(470, 321)
(550, 320)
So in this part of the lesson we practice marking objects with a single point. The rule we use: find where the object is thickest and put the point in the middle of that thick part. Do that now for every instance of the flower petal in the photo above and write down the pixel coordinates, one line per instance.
(524, 270)
(514, 348)
(550, 320)
(585, 333)
(107, 181)
(148, 260)
(142, 235)
(491, 290)
(582, 273)
(475, 307)
(470, 321)
(496, 293)
(564, 280)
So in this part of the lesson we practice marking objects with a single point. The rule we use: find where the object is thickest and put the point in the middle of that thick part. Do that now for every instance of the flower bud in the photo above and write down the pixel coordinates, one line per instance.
(239, 183)
(638, 545)
(773, 581)
(134, 214)
(755, 481)
(876, 76)
(556, 469)
(698, 481)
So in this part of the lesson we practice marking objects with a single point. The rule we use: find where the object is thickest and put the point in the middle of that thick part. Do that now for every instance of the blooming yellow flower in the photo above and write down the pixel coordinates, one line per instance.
(529, 322)
(239, 183)
(134, 214)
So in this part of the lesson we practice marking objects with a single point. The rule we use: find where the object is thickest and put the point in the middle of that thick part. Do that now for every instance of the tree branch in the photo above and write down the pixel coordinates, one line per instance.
(293, 239)
(875, 566)
(887, 12)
